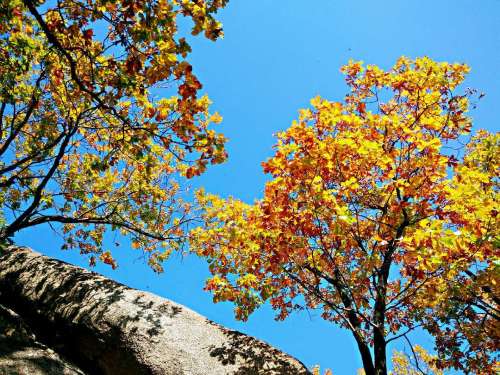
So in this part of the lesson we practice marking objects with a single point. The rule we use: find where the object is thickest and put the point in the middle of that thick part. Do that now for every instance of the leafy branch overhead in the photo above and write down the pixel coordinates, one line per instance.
(376, 215)
(85, 140)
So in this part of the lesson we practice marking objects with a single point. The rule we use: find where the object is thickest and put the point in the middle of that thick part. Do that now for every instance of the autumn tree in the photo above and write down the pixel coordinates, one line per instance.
(377, 215)
(101, 119)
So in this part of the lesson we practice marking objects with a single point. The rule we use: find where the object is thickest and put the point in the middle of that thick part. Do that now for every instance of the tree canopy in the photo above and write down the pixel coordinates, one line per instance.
(88, 138)
(381, 213)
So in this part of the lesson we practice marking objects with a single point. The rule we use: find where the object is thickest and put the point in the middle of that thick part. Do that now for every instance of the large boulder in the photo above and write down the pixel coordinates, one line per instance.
(105, 327)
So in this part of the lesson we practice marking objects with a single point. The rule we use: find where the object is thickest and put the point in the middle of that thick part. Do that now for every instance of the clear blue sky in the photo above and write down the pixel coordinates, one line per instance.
(276, 55)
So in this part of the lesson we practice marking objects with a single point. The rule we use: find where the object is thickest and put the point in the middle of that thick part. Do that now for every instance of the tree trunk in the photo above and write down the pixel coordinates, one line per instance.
(378, 366)
(366, 357)
(107, 328)
(380, 353)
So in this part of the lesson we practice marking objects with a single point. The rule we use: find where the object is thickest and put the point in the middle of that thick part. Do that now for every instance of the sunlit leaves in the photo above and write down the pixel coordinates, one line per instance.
(85, 138)
(371, 215)
(416, 363)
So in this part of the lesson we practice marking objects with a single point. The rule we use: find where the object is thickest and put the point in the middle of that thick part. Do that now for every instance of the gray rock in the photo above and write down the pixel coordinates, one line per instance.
(22, 354)
(107, 328)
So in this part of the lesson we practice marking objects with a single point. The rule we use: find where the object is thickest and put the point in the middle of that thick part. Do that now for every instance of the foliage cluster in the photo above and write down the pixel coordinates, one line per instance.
(373, 218)
(85, 139)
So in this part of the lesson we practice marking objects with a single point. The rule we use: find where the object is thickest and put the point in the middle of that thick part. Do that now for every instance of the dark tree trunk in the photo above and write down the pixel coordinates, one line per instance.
(377, 364)
(380, 354)
(379, 342)
(366, 357)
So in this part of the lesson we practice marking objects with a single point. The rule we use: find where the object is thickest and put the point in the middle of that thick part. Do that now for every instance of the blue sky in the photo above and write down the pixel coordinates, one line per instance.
(276, 55)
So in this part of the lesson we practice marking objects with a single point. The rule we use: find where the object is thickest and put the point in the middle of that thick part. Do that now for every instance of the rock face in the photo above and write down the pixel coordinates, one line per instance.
(21, 354)
(107, 328)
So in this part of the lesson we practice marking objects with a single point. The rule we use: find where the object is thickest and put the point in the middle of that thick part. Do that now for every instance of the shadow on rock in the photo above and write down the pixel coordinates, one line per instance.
(257, 357)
